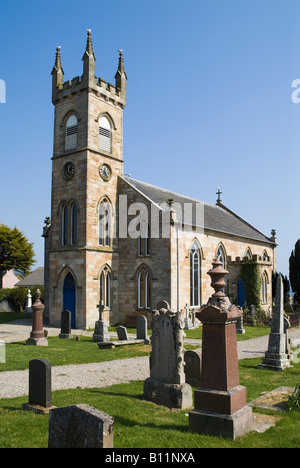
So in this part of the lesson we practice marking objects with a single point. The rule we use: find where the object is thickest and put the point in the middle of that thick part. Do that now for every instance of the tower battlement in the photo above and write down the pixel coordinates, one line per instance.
(63, 90)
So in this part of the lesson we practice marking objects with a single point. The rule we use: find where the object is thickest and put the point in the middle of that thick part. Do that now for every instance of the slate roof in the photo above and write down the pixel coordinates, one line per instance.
(217, 218)
(35, 278)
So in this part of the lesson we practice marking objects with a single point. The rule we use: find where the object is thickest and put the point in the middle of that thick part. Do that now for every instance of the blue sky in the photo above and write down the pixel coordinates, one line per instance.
(208, 102)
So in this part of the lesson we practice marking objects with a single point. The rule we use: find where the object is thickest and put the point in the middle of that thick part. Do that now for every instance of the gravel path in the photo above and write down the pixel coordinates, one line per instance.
(15, 383)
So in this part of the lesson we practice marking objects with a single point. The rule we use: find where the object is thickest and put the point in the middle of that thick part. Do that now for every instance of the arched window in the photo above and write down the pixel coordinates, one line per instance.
(248, 254)
(64, 224)
(105, 283)
(195, 278)
(104, 134)
(144, 241)
(221, 255)
(105, 223)
(265, 256)
(74, 224)
(71, 133)
(144, 289)
(264, 288)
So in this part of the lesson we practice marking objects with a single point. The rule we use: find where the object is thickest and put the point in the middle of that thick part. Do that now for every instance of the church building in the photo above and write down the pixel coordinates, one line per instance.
(121, 244)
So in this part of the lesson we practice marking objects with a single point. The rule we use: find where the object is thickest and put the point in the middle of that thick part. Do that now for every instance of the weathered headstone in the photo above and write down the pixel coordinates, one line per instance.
(101, 333)
(276, 357)
(40, 393)
(37, 336)
(220, 401)
(65, 331)
(122, 333)
(166, 385)
(188, 324)
(239, 323)
(141, 329)
(80, 426)
(192, 368)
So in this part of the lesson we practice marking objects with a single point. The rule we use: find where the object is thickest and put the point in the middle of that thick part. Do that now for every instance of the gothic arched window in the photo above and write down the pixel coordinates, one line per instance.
(104, 134)
(74, 224)
(105, 283)
(195, 277)
(221, 255)
(144, 289)
(105, 223)
(71, 133)
(64, 225)
(264, 288)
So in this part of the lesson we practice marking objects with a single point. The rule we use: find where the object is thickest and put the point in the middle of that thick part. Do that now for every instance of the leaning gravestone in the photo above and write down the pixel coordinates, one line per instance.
(40, 395)
(122, 333)
(65, 331)
(166, 385)
(80, 426)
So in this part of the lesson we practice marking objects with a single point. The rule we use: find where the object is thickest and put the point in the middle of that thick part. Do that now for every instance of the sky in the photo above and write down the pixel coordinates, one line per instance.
(209, 102)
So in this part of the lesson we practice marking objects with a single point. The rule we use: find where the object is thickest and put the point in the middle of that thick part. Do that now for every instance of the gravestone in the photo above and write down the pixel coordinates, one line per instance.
(239, 323)
(40, 395)
(188, 322)
(276, 357)
(37, 336)
(220, 401)
(28, 309)
(65, 331)
(192, 368)
(122, 333)
(80, 426)
(101, 334)
(166, 385)
(141, 329)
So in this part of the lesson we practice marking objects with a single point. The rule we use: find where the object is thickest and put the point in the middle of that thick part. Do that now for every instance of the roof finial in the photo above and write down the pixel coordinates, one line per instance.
(219, 195)
(58, 58)
(89, 44)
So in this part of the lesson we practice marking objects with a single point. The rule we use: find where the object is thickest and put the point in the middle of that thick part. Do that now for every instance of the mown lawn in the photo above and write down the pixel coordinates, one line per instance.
(141, 424)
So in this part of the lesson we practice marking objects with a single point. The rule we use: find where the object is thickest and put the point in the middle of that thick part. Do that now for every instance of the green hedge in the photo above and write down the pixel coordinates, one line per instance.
(17, 296)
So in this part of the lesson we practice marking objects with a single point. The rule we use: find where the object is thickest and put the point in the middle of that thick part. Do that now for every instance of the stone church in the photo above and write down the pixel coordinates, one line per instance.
(121, 244)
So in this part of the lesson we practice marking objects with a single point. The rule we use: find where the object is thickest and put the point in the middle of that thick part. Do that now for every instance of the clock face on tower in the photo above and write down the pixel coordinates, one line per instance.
(105, 172)
(69, 170)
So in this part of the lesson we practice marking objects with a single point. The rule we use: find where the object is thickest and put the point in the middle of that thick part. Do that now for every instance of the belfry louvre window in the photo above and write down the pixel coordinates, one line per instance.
(104, 134)
(71, 133)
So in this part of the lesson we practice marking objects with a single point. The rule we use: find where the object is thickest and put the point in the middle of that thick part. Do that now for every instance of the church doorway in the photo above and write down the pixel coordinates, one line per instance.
(241, 293)
(69, 298)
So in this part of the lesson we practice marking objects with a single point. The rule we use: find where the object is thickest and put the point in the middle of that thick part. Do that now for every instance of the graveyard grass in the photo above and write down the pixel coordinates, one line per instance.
(142, 424)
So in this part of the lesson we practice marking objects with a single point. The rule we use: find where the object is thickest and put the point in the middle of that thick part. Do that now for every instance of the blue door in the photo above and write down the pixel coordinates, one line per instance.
(241, 293)
(69, 299)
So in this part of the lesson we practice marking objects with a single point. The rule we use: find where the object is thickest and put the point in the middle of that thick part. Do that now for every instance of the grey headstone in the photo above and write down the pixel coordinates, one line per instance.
(122, 333)
(141, 328)
(192, 367)
(65, 331)
(80, 426)
(40, 383)
(101, 331)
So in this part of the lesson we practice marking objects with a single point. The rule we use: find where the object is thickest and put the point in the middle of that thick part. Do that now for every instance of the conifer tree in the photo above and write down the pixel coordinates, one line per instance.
(294, 264)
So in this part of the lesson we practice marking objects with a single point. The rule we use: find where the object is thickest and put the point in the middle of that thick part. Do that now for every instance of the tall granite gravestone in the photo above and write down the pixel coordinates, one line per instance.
(80, 426)
(166, 385)
(220, 401)
(40, 394)
(65, 331)
(276, 358)
(37, 336)
(101, 333)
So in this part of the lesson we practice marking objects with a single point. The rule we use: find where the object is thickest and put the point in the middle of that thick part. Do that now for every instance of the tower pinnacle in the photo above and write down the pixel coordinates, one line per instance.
(89, 61)
(57, 74)
(121, 76)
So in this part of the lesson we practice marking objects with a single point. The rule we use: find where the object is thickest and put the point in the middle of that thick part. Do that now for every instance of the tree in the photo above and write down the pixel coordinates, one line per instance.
(294, 263)
(15, 251)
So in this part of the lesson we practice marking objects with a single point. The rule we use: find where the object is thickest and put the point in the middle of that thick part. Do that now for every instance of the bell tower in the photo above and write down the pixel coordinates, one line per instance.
(87, 161)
